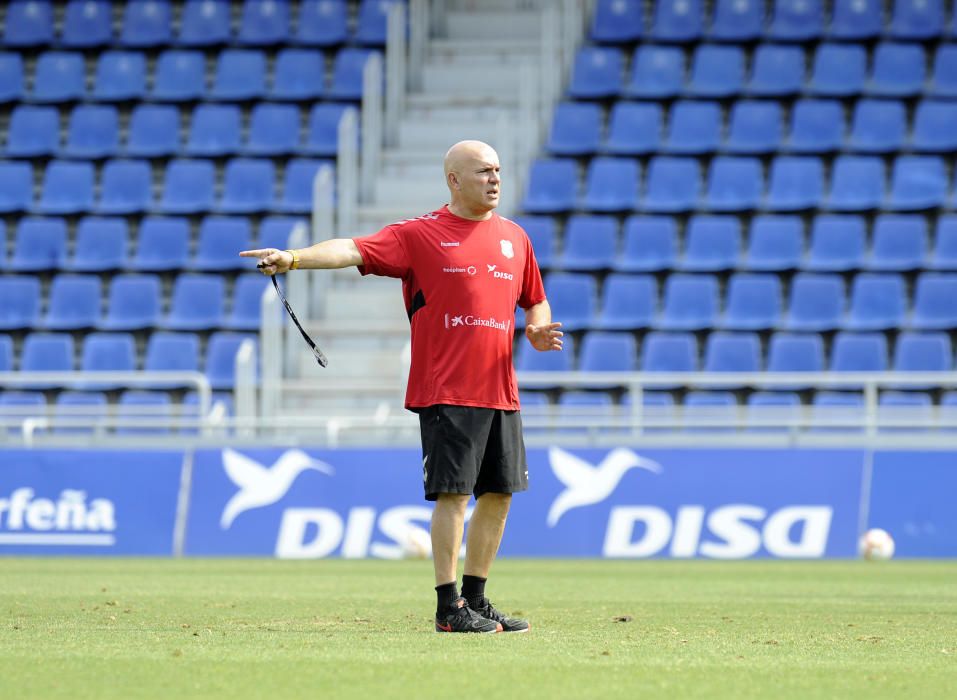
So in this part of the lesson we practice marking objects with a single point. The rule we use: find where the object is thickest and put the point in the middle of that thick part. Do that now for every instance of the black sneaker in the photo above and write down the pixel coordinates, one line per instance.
(509, 624)
(461, 618)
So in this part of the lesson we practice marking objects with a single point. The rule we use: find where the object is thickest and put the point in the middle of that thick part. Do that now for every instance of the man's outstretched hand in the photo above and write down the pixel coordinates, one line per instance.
(271, 260)
(545, 337)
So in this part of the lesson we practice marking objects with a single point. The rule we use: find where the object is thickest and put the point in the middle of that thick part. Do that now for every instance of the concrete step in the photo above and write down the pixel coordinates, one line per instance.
(439, 77)
(470, 26)
(422, 195)
(373, 217)
(416, 133)
(489, 50)
(433, 100)
(359, 303)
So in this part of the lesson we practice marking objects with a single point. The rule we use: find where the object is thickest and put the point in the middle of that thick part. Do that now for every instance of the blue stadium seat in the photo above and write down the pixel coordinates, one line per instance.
(322, 23)
(817, 126)
(899, 243)
(944, 255)
(634, 128)
(240, 75)
(677, 20)
(591, 243)
(690, 303)
(40, 244)
(143, 406)
(583, 403)
(859, 352)
(797, 20)
(347, 74)
(734, 184)
(878, 126)
(100, 245)
(776, 70)
(672, 185)
(669, 352)
(21, 301)
(541, 233)
(923, 352)
(371, 21)
(248, 186)
(20, 405)
(59, 77)
(67, 188)
(857, 183)
(74, 302)
(299, 74)
(322, 137)
(297, 189)
(552, 186)
(905, 410)
(856, 19)
(716, 71)
(180, 76)
(837, 243)
(693, 128)
(628, 302)
(898, 70)
(943, 82)
(657, 407)
(197, 303)
(135, 302)
(817, 303)
(93, 132)
(16, 186)
(712, 243)
(46, 352)
(755, 127)
(878, 303)
(795, 183)
(87, 23)
(531, 360)
(657, 72)
(220, 240)
(120, 75)
(731, 352)
(765, 407)
(576, 127)
(933, 120)
(795, 352)
(171, 352)
(147, 24)
(274, 231)
(28, 23)
(75, 412)
(187, 187)
(917, 19)
(11, 77)
(264, 23)
(247, 303)
(215, 130)
(836, 411)
(107, 352)
(597, 73)
(754, 302)
(205, 23)
(737, 20)
(775, 243)
(839, 70)
(163, 245)
(650, 244)
(33, 131)
(611, 185)
(577, 295)
(918, 182)
(608, 352)
(126, 187)
(617, 22)
(934, 308)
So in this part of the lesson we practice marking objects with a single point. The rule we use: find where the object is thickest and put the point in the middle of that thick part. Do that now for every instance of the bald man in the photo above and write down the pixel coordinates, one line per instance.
(464, 269)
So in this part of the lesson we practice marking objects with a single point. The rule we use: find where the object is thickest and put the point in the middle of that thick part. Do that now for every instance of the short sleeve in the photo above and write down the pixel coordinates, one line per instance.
(384, 254)
(533, 292)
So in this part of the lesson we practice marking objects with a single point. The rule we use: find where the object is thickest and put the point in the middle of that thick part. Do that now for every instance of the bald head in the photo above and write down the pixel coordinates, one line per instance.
(472, 175)
(464, 153)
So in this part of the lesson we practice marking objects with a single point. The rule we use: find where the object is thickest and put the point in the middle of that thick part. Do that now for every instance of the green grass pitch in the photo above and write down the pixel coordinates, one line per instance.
(75, 628)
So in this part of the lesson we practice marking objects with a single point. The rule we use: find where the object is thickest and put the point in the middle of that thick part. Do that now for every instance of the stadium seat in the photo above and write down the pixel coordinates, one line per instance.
(795, 183)
(19, 405)
(16, 186)
(33, 131)
(583, 403)
(576, 127)
(915, 20)
(934, 308)
(817, 126)
(634, 128)
(299, 74)
(77, 412)
(944, 255)
(6, 353)
(857, 183)
(46, 352)
(796, 20)
(791, 352)
(240, 75)
(541, 233)
(591, 243)
(74, 302)
(669, 352)
(650, 244)
(690, 303)
(755, 127)
(143, 406)
(322, 23)
(101, 245)
(205, 23)
(248, 186)
(693, 128)
(898, 70)
(918, 182)
(677, 20)
(274, 231)
(712, 243)
(215, 131)
(28, 24)
(837, 243)
(59, 77)
(297, 189)
(530, 360)
(878, 126)
(716, 71)
(673, 185)
(775, 243)
(135, 302)
(611, 185)
(87, 24)
(859, 352)
(120, 76)
(247, 303)
(856, 19)
(347, 74)
(146, 24)
(710, 411)
(11, 77)
(839, 70)
(221, 357)
(40, 244)
(817, 303)
(21, 301)
(737, 20)
(657, 72)
(754, 302)
(552, 186)
(273, 130)
(732, 352)
(776, 70)
(126, 187)
(767, 410)
(836, 411)
(878, 303)
(904, 410)
(617, 22)
(596, 73)
(576, 294)
(943, 82)
(67, 188)
(188, 187)
(322, 138)
(197, 303)
(107, 352)
(899, 243)
(923, 352)
(171, 352)
(93, 132)
(933, 120)
(180, 76)
(608, 352)
(220, 240)
(734, 184)
(628, 302)
(263, 23)
(163, 245)
(371, 21)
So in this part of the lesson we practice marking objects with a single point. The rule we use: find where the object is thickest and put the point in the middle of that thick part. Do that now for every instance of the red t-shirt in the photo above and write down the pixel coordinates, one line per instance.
(461, 280)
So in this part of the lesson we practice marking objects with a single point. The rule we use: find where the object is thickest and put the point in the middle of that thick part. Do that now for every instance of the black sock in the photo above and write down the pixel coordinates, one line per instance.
(473, 590)
(446, 596)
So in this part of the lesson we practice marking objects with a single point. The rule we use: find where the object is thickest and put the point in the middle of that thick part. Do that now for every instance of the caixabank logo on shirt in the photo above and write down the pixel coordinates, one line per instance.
(468, 320)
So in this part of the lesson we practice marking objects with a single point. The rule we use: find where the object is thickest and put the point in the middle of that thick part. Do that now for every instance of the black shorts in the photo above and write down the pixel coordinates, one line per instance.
(466, 449)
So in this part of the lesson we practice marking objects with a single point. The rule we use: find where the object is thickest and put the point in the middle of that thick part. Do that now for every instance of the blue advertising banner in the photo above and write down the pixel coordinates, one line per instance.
(912, 497)
(88, 501)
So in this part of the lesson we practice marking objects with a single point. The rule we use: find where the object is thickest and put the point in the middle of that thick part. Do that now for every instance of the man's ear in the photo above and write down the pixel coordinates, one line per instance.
(453, 180)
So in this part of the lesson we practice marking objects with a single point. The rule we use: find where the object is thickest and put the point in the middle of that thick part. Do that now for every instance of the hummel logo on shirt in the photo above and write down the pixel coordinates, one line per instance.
(449, 244)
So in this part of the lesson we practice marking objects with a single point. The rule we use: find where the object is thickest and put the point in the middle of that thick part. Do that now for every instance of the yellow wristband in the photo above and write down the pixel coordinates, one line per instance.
(295, 259)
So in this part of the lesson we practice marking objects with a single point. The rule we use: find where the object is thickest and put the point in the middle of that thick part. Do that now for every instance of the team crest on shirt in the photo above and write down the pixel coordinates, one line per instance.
(507, 249)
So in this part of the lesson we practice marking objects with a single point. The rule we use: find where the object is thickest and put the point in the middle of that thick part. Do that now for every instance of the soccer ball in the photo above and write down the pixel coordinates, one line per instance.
(877, 545)
(417, 544)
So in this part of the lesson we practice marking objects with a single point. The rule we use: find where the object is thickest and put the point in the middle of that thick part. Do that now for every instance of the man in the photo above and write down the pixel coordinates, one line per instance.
(463, 270)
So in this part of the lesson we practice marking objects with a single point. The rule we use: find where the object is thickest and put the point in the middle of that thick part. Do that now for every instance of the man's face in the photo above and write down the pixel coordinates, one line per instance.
(479, 181)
